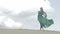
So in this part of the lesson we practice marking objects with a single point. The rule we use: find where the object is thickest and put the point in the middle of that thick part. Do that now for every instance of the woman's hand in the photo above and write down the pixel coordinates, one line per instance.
(44, 15)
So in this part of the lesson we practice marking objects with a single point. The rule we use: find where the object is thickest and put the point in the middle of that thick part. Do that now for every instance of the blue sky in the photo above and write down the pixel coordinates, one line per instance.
(22, 14)
(56, 14)
(56, 5)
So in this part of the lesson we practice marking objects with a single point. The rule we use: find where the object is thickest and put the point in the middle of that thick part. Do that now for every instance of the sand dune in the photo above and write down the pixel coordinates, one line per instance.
(25, 31)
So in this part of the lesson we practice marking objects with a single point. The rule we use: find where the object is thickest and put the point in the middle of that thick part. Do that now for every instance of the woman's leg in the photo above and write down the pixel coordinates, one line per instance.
(41, 26)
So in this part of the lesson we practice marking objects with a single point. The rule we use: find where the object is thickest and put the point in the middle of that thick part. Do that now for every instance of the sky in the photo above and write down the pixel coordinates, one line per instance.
(22, 14)
(55, 4)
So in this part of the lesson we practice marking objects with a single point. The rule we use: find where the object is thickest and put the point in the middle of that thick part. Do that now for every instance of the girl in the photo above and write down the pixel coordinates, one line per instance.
(42, 18)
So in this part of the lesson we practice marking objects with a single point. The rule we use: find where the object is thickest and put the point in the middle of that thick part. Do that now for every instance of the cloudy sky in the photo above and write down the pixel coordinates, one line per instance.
(22, 14)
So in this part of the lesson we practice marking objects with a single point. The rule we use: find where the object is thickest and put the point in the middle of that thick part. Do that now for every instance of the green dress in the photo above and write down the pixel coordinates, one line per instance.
(44, 22)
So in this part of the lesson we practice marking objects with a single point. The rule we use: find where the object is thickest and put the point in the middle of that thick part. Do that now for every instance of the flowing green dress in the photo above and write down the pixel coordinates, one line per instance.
(44, 22)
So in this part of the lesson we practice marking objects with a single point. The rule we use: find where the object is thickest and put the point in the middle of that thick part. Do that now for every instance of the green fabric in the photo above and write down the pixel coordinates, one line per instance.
(44, 21)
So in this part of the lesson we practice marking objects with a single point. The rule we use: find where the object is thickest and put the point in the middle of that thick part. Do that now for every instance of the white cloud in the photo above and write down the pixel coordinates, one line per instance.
(16, 6)
(1, 19)
(9, 23)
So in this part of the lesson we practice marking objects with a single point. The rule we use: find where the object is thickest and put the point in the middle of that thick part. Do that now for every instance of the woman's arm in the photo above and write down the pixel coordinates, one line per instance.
(44, 15)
